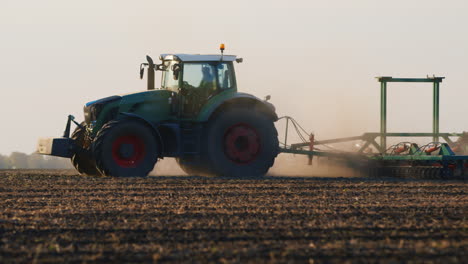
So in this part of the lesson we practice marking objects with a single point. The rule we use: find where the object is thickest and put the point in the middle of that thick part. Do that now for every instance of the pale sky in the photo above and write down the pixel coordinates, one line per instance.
(317, 59)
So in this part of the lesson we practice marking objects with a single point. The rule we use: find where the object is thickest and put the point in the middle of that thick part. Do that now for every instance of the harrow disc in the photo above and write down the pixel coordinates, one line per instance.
(414, 172)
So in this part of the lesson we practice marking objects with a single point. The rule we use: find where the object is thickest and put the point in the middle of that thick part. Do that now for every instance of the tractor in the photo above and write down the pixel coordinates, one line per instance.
(197, 116)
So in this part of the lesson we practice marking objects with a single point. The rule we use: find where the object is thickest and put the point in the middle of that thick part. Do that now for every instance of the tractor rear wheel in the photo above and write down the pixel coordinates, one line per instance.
(83, 161)
(241, 142)
(125, 148)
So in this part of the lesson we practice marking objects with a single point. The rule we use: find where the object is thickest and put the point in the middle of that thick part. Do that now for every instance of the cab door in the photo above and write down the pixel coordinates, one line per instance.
(199, 83)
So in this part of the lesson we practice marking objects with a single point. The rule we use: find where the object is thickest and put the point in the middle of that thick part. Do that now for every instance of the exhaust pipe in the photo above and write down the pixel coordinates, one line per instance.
(151, 70)
(150, 73)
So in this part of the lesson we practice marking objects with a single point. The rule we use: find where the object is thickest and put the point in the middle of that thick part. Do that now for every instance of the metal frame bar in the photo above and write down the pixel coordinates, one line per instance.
(435, 113)
(383, 116)
(370, 137)
(349, 155)
(383, 105)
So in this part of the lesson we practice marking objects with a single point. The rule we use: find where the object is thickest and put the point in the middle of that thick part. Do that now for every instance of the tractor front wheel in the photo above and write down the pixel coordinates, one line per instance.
(241, 142)
(83, 161)
(125, 148)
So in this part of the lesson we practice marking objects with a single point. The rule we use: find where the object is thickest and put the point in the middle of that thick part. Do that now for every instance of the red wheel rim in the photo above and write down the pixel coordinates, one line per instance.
(128, 151)
(241, 143)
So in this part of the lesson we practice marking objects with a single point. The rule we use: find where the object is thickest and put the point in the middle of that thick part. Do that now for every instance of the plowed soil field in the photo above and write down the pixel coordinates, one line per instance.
(58, 216)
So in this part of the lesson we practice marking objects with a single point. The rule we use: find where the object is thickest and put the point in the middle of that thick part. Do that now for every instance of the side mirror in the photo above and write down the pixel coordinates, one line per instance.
(142, 71)
(176, 71)
(268, 97)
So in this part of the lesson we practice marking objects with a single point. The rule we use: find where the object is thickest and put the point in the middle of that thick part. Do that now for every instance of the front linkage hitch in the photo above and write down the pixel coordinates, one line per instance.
(64, 147)
(71, 118)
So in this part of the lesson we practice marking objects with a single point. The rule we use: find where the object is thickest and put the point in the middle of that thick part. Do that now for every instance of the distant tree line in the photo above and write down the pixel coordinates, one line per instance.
(19, 160)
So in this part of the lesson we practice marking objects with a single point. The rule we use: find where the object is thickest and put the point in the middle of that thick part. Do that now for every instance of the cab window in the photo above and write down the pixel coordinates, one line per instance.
(225, 78)
(200, 75)
(208, 76)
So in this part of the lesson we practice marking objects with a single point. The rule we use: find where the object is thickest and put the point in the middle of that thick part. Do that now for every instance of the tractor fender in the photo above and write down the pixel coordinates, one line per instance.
(153, 127)
(221, 102)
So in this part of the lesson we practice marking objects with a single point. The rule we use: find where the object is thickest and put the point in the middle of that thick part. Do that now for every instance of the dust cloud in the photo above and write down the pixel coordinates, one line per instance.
(297, 165)
(285, 165)
(167, 167)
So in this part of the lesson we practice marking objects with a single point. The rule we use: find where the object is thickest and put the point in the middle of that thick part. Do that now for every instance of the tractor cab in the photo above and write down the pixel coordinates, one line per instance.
(193, 78)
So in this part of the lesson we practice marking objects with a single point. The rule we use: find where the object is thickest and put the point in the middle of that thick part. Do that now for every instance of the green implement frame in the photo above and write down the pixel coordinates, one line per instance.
(383, 107)
(440, 155)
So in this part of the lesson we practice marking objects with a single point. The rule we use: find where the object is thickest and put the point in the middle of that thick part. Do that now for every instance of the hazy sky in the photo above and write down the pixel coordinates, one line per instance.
(317, 59)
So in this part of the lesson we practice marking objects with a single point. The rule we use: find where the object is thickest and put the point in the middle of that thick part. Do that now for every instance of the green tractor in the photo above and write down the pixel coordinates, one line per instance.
(197, 117)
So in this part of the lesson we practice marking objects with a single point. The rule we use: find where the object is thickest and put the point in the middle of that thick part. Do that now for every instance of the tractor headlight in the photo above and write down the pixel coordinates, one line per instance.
(92, 125)
(87, 115)
(92, 110)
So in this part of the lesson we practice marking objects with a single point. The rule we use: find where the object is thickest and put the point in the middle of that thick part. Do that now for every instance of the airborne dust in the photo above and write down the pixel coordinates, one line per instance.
(285, 165)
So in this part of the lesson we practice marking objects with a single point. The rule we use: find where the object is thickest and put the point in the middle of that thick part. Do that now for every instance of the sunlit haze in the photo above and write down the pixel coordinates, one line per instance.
(317, 59)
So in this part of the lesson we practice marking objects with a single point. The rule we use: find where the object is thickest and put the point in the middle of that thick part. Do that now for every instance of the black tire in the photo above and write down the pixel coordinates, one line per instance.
(125, 148)
(83, 161)
(240, 142)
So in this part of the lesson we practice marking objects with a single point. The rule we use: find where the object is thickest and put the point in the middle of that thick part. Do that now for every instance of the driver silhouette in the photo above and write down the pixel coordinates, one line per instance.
(207, 84)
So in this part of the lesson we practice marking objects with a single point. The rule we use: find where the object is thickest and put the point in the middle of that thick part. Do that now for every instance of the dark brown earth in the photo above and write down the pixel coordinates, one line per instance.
(58, 216)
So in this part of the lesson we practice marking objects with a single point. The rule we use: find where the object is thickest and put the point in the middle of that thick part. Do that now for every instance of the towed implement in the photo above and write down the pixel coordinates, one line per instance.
(438, 159)
(198, 117)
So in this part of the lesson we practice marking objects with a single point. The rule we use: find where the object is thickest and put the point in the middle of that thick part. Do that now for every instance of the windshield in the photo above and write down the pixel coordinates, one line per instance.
(209, 75)
(167, 81)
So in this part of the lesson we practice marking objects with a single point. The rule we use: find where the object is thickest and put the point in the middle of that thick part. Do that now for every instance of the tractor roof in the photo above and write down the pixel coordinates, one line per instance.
(197, 57)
